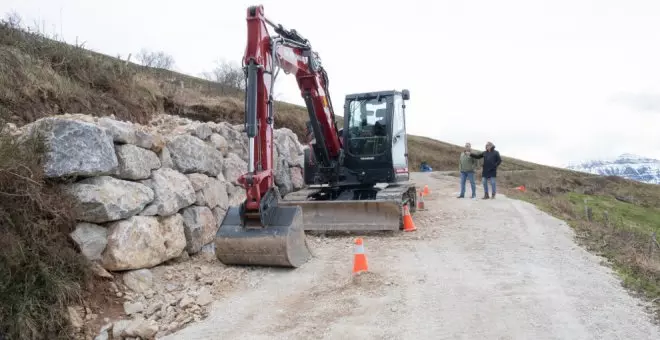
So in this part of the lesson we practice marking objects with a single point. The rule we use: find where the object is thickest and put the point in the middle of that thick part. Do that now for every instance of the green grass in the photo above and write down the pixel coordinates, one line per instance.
(623, 214)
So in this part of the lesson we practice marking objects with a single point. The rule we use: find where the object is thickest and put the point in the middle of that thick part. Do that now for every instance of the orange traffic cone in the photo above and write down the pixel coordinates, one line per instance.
(420, 203)
(426, 190)
(408, 224)
(359, 258)
(521, 188)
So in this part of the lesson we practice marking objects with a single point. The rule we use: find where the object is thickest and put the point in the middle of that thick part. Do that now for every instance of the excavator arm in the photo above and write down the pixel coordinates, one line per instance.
(260, 231)
(264, 57)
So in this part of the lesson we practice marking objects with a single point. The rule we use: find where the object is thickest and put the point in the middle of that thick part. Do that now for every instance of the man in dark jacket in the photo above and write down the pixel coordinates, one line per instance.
(492, 160)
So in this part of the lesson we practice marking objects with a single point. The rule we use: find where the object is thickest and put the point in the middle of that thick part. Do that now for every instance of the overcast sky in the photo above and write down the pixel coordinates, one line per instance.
(546, 81)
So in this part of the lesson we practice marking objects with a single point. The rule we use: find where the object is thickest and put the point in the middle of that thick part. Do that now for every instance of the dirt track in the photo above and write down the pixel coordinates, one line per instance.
(474, 269)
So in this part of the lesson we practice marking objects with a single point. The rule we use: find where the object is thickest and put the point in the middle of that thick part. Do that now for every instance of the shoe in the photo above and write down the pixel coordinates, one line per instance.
(485, 196)
(474, 197)
(460, 196)
(493, 197)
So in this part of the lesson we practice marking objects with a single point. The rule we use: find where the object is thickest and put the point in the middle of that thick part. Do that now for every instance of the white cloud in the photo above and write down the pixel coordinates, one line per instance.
(537, 78)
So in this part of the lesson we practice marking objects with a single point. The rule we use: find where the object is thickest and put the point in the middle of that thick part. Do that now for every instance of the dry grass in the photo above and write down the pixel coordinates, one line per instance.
(41, 272)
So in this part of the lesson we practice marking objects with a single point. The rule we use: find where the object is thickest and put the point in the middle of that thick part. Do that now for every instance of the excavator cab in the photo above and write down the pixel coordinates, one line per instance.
(374, 136)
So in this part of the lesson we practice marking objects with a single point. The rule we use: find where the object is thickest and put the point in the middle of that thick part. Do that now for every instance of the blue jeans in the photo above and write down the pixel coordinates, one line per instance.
(468, 175)
(492, 185)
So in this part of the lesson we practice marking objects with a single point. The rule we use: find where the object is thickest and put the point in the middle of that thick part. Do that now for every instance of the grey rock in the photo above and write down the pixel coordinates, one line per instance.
(190, 154)
(153, 309)
(118, 329)
(220, 143)
(139, 281)
(238, 141)
(131, 308)
(149, 141)
(283, 178)
(200, 227)
(91, 239)
(214, 194)
(205, 297)
(234, 167)
(75, 148)
(297, 180)
(102, 199)
(198, 181)
(172, 190)
(238, 194)
(136, 163)
(166, 159)
(288, 147)
(143, 242)
(127, 133)
(102, 336)
(121, 132)
(202, 131)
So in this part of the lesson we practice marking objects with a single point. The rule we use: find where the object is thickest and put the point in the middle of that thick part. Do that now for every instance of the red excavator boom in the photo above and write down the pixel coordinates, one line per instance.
(260, 231)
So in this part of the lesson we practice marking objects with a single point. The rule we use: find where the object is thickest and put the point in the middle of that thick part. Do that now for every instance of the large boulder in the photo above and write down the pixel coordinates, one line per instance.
(143, 242)
(209, 191)
(127, 133)
(190, 154)
(283, 178)
(136, 163)
(74, 148)
(173, 191)
(200, 226)
(288, 147)
(237, 140)
(103, 199)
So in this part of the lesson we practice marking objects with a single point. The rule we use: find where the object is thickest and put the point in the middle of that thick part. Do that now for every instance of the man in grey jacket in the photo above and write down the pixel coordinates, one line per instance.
(466, 166)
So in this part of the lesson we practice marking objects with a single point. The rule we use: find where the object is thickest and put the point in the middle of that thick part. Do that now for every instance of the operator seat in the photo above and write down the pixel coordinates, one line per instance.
(380, 128)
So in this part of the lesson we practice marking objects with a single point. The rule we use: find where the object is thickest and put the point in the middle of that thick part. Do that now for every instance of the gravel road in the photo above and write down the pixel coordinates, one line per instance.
(474, 269)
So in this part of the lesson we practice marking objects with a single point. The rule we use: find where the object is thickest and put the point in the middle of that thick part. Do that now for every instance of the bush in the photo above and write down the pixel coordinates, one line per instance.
(41, 272)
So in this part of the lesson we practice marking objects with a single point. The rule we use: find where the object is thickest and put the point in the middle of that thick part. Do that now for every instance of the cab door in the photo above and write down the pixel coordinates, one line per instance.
(399, 140)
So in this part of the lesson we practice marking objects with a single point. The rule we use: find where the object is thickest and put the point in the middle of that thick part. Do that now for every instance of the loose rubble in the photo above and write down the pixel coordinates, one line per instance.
(149, 197)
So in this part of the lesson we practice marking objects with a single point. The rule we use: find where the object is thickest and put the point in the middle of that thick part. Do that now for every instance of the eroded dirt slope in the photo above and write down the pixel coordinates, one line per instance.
(474, 269)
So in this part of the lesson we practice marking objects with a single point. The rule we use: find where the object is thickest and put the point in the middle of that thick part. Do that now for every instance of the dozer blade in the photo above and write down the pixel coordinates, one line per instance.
(280, 244)
(344, 215)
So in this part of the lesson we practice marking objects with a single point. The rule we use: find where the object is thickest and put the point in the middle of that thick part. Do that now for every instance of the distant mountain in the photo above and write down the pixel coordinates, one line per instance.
(634, 167)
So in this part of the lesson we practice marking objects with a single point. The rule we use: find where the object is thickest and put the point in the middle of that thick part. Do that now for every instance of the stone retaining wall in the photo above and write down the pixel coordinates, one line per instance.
(146, 194)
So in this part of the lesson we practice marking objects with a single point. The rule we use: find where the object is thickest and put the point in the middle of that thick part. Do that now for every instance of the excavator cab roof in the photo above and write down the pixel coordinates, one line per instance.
(368, 95)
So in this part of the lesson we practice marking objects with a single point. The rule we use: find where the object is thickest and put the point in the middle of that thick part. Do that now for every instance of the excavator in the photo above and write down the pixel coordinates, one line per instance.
(357, 177)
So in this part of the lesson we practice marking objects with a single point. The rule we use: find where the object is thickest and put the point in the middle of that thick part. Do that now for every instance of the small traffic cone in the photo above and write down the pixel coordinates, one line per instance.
(408, 224)
(521, 188)
(359, 258)
(420, 203)
(426, 190)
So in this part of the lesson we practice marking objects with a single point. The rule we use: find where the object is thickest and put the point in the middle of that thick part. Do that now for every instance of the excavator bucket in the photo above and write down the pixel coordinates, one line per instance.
(280, 243)
(349, 215)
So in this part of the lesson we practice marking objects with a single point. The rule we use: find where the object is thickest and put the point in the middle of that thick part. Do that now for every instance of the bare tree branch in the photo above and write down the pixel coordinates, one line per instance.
(155, 59)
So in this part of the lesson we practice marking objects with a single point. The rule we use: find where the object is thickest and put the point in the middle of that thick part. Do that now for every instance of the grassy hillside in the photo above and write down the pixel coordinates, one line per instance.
(41, 77)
